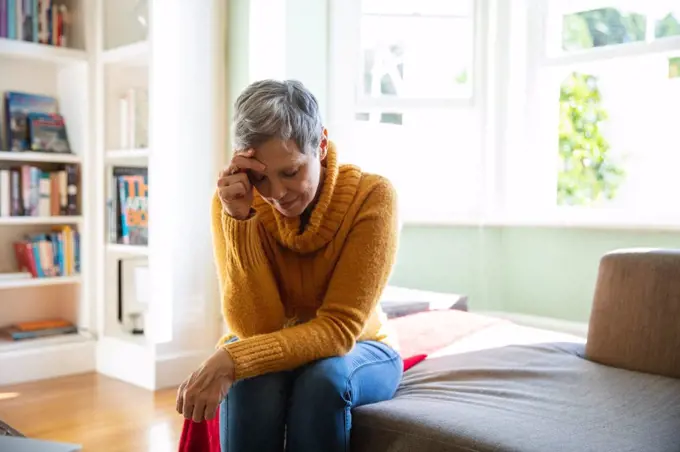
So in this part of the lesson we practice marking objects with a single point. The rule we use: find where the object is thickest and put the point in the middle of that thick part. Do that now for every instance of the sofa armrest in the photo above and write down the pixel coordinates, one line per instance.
(635, 319)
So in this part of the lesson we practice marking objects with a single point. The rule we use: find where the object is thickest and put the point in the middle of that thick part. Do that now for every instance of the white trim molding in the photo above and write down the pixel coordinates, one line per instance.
(579, 329)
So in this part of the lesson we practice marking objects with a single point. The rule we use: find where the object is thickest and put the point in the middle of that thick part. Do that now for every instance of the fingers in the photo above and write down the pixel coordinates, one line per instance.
(241, 162)
(195, 406)
(179, 403)
(233, 179)
(233, 192)
(233, 187)
(210, 410)
(199, 410)
(188, 407)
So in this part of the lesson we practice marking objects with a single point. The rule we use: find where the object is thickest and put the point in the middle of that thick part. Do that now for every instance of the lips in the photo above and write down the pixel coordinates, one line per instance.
(287, 204)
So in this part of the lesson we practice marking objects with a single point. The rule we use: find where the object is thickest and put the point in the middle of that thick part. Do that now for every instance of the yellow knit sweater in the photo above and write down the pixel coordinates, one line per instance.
(291, 297)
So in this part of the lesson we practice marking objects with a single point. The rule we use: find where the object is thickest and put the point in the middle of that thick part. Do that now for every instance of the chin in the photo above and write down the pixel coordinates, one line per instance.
(294, 211)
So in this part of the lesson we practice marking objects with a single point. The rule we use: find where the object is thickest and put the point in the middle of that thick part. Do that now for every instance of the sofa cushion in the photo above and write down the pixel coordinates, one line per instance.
(432, 331)
(634, 320)
(523, 398)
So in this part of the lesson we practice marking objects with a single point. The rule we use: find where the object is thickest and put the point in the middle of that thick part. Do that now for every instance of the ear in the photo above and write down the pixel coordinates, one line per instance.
(323, 145)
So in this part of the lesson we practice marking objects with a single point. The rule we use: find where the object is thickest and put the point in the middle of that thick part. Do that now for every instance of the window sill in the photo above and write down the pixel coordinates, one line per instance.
(559, 219)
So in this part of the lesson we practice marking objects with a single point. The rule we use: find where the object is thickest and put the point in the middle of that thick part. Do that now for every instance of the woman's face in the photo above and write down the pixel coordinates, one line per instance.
(291, 179)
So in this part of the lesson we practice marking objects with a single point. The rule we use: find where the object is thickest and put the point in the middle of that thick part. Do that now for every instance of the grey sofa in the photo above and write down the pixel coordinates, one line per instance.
(617, 391)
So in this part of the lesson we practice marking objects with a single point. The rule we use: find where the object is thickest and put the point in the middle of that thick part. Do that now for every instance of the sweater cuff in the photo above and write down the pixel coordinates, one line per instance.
(242, 238)
(255, 356)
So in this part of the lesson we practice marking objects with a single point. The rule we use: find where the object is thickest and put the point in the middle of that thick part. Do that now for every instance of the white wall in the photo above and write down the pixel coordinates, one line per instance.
(262, 45)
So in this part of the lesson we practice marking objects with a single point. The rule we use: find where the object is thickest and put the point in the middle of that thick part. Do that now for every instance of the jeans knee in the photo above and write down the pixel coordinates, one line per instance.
(324, 383)
(260, 396)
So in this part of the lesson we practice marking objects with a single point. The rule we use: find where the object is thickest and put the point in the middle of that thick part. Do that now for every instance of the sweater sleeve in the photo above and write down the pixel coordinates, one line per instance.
(359, 278)
(247, 285)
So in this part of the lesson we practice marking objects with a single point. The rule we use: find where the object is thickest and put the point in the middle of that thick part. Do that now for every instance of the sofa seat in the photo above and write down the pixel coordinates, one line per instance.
(524, 398)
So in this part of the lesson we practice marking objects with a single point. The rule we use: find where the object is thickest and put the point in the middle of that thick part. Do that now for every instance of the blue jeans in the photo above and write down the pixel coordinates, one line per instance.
(309, 406)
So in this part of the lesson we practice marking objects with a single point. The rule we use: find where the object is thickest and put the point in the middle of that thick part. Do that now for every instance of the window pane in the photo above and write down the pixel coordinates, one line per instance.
(674, 67)
(433, 7)
(602, 27)
(618, 142)
(668, 25)
(432, 157)
(424, 54)
(615, 25)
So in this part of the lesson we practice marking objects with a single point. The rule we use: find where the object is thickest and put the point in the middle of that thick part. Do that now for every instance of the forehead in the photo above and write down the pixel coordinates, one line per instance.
(275, 153)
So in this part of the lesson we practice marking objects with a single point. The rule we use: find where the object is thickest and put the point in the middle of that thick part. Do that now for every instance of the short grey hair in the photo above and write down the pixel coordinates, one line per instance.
(277, 109)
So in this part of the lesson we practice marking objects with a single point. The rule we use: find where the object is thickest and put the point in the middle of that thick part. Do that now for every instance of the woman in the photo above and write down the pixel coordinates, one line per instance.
(304, 248)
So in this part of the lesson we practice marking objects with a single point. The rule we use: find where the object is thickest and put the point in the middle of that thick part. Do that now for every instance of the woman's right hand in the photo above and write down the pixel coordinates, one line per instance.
(234, 187)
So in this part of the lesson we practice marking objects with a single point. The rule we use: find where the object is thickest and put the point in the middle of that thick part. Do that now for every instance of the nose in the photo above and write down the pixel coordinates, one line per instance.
(277, 190)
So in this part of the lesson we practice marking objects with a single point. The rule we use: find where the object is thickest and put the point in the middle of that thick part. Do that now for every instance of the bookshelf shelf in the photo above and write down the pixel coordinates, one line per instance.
(19, 221)
(38, 282)
(41, 52)
(128, 55)
(38, 157)
(134, 250)
(39, 343)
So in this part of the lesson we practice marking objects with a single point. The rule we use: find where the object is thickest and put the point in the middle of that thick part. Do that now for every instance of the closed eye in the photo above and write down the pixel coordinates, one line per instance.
(291, 173)
(255, 177)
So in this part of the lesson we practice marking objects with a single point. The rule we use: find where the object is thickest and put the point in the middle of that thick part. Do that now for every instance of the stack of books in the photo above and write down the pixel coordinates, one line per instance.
(42, 328)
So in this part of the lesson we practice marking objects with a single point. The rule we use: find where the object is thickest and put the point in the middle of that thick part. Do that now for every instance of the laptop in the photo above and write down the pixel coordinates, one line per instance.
(20, 444)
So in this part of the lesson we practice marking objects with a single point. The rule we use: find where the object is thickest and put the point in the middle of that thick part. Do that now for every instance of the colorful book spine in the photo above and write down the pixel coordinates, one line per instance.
(49, 255)
(31, 191)
(3, 18)
(40, 21)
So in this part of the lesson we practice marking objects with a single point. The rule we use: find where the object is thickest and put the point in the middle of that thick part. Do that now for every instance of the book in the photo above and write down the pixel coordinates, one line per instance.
(34, 330)
(40, 21)
(47, 133)
(52, 254)
(128, 209)
(28, 190)
(18, 106)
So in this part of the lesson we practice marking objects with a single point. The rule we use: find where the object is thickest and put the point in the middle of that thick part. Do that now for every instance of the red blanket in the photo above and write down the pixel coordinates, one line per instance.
(205, 436)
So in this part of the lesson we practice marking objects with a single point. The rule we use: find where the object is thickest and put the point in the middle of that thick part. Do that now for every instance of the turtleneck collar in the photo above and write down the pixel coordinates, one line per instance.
(340, 184)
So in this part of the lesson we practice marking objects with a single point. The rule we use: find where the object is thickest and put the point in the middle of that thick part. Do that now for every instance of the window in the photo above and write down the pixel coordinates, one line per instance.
(404, 99)
(416, 49)
(614, 24)
(543, 111)
(607, 89)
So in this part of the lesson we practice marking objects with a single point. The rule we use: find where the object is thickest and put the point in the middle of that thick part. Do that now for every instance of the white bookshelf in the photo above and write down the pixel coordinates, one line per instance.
(136, 54)
(28, 51)
(185, 75)
(42, 343)
(119, 249)
(182, 315)
(38, 157)
(128, 156)
(54, 220)
(38, 282)
(63, 73)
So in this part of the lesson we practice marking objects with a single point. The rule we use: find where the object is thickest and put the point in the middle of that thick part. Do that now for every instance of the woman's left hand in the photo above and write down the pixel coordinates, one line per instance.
(199, 395)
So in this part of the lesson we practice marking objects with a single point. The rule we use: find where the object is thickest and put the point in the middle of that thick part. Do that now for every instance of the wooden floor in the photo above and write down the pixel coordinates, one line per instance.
(97, 412)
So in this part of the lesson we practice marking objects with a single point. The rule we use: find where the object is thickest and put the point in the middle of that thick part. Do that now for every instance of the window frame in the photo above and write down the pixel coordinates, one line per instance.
(510, 64)
(522, 206)
(344, 99)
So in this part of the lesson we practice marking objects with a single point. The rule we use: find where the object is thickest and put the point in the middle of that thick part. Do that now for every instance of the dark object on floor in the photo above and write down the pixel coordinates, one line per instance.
(6, 430)
(21, 444)
(400, 301)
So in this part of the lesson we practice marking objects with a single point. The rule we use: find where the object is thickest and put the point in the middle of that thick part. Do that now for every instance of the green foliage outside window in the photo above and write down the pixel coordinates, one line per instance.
(587, 173)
